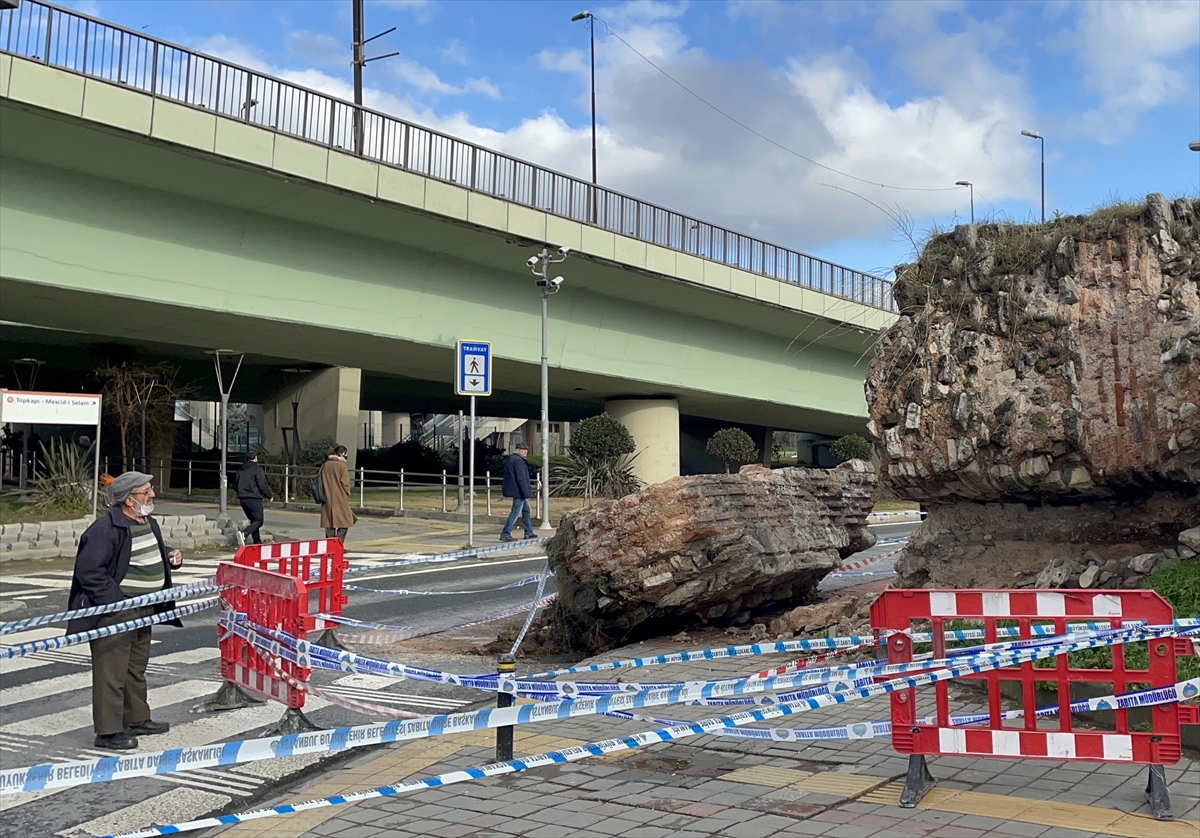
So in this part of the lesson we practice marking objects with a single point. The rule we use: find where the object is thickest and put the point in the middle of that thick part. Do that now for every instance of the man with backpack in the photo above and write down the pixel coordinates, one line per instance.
(252, 489)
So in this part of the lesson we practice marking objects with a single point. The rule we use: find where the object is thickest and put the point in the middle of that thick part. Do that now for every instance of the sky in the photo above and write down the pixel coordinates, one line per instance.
(814, 125)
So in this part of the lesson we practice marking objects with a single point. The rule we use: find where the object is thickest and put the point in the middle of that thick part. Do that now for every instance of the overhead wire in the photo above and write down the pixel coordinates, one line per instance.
(759, 134)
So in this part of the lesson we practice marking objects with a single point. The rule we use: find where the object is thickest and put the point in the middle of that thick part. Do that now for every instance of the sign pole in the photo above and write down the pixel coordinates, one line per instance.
(96, 475)
(471, 483)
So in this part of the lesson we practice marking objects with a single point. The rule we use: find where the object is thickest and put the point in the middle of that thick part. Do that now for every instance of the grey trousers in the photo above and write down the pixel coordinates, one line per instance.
(119, 674)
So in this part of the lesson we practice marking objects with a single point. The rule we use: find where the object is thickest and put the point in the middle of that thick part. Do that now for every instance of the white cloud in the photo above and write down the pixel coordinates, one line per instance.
(1136, 57)
(421, 10)
(659, 143)
(454, 53)
(317, 48)
(570, 61)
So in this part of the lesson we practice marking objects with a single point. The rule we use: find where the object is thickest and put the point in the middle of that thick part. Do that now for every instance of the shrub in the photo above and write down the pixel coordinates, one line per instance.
(64, 481)
(732, 445)
(852, 447)
(600, 462)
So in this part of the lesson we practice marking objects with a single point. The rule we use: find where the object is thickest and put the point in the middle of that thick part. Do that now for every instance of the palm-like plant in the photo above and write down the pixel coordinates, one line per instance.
(64, 481)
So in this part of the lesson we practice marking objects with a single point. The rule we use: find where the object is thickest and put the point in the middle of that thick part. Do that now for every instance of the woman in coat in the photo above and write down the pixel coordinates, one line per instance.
(336, 515)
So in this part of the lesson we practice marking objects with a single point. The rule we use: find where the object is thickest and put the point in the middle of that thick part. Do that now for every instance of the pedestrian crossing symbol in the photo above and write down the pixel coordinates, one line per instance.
(473, 368)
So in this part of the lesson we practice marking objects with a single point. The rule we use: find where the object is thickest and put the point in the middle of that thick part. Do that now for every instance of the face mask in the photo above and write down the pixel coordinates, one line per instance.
(142, 509)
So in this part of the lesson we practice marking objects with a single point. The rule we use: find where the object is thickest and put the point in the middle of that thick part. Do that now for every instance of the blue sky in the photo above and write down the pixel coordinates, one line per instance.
(913, 94)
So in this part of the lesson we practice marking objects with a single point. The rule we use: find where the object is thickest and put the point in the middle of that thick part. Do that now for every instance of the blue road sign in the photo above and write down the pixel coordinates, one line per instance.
(473, 368)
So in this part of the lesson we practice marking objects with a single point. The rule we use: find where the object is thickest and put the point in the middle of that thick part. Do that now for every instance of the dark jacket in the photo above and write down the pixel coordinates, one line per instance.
(252, 481)
(101, 564)
(516, 478)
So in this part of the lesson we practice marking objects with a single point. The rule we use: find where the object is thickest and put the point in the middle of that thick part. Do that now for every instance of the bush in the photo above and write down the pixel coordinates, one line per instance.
(600, 462)
(601, 438)
(852, 447)
(64, 481)
(732, 445)
(613, 478)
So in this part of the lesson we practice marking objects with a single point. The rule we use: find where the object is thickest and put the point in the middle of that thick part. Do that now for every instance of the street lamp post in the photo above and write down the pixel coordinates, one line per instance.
(223, 480)
(359, 60)
(968, 183)
(592, 39)
(1034, 135)
(540, 266)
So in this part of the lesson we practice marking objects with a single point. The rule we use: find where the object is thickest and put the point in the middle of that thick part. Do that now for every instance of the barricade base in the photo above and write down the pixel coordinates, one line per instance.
(292, 721)
(229, 697)
(1157, 795)
(330, 640)
(918, 782)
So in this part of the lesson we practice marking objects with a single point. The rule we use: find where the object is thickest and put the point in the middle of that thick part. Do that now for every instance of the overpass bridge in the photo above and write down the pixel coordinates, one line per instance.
(153, 195)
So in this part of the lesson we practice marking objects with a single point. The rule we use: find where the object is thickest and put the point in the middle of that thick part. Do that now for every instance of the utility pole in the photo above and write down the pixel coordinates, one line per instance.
(359, 60)
(540, 266)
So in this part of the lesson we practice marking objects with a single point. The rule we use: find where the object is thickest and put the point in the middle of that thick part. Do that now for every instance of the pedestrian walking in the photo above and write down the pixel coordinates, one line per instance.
(336, 515)
(252, 489)
(516, 486)
(122, 555)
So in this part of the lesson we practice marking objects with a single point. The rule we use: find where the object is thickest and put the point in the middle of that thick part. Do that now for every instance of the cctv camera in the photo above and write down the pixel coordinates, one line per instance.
(564, 251)
(532, 261)
(557, 281)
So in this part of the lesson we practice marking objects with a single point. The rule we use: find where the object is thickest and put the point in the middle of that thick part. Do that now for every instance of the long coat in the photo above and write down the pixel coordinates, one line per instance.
(336, 512)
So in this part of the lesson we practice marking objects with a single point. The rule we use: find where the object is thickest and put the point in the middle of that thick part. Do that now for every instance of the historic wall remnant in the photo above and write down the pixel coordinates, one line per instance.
(716, 548)
(1045, 365)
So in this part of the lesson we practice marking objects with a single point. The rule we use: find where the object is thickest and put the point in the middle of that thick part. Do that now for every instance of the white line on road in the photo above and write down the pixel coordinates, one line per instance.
(83, 680)
(53, 724)
(162, 808)
(448, 567)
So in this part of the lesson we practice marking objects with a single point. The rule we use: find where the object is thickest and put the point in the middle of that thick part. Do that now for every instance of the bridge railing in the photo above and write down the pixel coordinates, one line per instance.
(77, 43)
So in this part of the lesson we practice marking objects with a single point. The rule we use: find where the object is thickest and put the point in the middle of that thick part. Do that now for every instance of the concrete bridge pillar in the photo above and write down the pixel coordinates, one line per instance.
(328, 409)
(395, 427)
(654, 424)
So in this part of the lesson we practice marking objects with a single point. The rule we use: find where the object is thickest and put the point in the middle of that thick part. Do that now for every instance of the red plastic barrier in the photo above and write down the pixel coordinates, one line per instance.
(318, 565)
(271, 600)
(1030, 738)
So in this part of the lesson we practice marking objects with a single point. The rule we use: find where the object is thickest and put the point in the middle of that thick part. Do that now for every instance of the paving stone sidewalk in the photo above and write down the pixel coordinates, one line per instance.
(717, 786)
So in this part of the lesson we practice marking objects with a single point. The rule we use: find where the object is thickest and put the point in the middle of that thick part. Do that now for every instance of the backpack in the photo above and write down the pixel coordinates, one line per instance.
(318, 490)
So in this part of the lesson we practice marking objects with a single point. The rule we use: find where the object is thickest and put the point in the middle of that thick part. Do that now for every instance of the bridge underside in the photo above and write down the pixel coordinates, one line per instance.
(113, 235)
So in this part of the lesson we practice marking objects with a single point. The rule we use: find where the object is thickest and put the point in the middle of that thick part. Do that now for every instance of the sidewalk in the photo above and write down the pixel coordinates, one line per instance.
(709, 785)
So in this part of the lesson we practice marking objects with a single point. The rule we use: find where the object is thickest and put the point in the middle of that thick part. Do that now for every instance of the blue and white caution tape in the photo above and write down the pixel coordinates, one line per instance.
(595, 749)
(61, 775)
(383, 634)
(182, 592)
(520, 583)
(532, 611)
(878, 729)
(35, 646)
(449, 557)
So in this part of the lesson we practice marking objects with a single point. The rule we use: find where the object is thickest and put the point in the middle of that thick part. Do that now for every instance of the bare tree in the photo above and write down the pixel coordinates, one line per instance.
(135, 394)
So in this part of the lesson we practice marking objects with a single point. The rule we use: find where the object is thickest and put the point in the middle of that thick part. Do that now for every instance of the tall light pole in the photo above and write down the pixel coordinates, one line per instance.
(1034, 135)
(592, 38)
(540, 266)
(223, 480)
(358, 60)
(968, 183)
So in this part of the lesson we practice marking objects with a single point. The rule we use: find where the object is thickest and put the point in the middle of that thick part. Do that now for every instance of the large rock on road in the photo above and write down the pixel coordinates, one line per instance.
(707, 549)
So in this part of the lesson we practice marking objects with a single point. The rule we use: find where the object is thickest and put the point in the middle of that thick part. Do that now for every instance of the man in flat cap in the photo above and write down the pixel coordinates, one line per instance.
(121, 556)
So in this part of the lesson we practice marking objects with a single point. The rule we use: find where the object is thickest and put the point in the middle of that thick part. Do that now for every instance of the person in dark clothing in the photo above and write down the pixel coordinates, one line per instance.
(252, 489)
(121, 556)
(516, 486)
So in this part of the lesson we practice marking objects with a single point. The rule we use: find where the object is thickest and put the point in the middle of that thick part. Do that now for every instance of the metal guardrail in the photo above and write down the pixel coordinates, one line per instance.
(77, 43)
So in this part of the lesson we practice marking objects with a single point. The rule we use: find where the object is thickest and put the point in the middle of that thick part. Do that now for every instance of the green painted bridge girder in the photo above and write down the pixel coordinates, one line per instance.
(106, 231)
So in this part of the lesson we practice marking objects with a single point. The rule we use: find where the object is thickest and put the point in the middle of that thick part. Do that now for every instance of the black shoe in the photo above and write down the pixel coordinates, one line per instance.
(529, 535)
(504, 537)
(148, 728)
(116, 742)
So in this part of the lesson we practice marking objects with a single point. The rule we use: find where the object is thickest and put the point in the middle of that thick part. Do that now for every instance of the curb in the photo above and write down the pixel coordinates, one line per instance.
(900, 516)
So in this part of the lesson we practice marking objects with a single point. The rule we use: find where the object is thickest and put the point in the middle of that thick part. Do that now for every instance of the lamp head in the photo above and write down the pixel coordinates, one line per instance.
(962, 183)
(1032, 134)
(1194, 145)
(581, 16)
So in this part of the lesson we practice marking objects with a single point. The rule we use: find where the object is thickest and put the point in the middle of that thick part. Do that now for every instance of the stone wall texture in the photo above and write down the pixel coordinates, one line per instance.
(1057, 362)
(707, 549)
